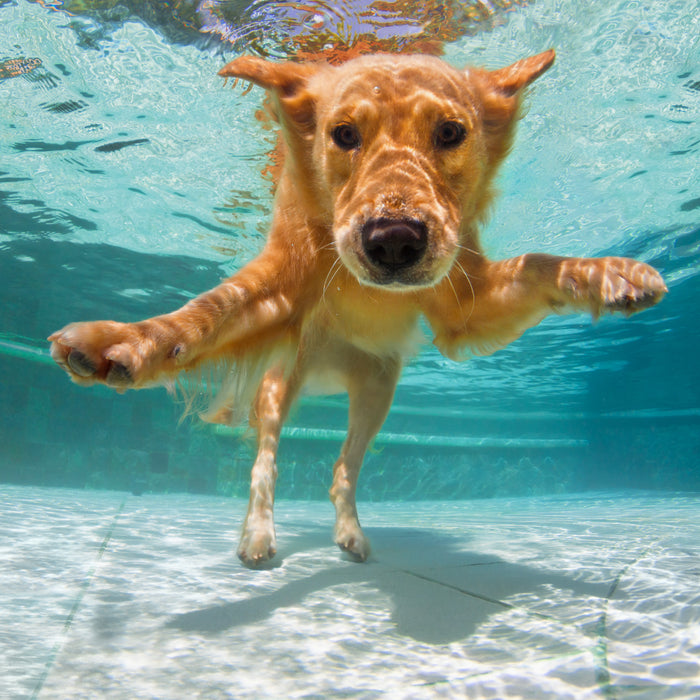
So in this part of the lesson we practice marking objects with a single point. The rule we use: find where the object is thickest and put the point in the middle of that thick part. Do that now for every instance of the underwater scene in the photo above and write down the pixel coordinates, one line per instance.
(533, 513)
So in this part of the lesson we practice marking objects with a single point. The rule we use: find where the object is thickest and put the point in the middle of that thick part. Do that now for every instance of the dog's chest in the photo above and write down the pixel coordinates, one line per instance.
(377, 322)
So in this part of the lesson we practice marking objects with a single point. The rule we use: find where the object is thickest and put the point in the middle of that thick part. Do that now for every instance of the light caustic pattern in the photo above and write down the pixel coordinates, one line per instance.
(592, 597)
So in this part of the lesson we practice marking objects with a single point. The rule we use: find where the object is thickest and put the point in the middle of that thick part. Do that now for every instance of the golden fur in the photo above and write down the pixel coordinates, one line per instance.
(388, 172)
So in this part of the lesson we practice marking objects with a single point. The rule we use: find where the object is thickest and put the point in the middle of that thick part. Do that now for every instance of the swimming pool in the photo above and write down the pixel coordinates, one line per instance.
(132, 178)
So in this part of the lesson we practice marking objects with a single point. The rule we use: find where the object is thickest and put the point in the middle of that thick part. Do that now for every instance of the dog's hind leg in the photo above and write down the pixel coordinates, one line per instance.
(371, 389)
(276, 393)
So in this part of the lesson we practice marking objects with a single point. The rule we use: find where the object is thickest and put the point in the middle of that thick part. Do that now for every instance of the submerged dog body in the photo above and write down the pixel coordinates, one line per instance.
(388, 172)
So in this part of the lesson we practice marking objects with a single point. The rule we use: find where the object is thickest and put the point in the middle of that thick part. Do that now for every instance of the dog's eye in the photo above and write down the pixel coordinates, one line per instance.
(449, 134)
(346, 136)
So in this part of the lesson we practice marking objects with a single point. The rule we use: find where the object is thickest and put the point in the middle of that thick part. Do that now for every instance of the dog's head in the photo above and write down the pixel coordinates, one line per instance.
(398, 151)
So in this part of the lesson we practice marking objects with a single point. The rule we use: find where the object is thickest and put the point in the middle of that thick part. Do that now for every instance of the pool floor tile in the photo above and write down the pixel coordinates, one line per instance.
(114, 596)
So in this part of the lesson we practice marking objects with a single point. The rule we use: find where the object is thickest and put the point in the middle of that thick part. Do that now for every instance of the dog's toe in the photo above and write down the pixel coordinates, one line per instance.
(629, 286)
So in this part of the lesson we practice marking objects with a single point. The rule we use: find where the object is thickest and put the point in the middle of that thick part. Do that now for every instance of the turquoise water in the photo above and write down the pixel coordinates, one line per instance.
(533, 515)
(132, 179)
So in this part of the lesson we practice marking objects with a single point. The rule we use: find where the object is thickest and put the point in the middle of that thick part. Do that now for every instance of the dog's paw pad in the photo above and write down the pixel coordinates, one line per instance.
(102, 351)
(118, 375)
(80, 364)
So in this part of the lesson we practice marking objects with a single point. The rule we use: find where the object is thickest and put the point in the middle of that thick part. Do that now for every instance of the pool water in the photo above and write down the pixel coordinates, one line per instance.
(132, 178)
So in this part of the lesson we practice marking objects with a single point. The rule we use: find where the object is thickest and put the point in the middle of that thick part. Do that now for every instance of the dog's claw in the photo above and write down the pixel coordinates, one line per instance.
(258, 559)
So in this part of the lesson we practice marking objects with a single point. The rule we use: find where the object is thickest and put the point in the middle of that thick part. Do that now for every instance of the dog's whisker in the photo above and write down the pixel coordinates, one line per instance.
(332, 272)
(471, 287)
(335, 274)
(454, 291)
(468, 250)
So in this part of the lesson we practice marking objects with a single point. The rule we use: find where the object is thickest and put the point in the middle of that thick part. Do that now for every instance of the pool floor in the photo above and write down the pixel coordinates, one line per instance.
(107, 595)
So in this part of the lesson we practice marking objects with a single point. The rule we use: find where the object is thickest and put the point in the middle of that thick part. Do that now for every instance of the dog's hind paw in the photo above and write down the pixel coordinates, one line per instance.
(352, 540)
(257, 547)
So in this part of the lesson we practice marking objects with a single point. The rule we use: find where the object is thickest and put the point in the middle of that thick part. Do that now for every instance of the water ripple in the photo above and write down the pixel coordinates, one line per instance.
(288, 28)
(274, 28)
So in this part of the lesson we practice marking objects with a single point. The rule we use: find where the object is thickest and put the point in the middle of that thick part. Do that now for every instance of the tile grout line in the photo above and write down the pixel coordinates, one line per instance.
(76, 604)
(487, 599)
(600, 650)
(463, 591)
(509, 606)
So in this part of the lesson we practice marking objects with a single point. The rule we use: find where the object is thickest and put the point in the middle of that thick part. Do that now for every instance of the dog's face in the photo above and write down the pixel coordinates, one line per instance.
(393, 141)
(400, 151)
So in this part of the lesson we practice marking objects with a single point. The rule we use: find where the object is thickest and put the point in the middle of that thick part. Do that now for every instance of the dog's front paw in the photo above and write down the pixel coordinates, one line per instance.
(612, 285)
(350, 538)
(121, 355)
(258, 545)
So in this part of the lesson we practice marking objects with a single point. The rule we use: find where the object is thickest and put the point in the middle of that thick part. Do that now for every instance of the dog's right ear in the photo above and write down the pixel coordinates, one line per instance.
(287, 81)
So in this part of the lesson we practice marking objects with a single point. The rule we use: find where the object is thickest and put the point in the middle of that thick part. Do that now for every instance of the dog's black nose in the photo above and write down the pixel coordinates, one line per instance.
(394, 244)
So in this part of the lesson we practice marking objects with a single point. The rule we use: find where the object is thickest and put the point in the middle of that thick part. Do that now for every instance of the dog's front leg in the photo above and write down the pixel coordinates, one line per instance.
(246, 307)
(371, 386)
(485, 305)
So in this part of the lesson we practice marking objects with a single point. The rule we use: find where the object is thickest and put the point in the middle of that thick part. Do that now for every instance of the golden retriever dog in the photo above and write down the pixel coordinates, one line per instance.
(388, 173)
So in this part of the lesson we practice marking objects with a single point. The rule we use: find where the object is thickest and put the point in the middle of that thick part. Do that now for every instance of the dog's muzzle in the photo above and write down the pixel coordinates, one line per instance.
(393, 245)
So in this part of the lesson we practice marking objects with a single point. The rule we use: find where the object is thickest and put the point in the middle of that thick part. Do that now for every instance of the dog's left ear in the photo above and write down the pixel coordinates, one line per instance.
(511, 80)
(287, 81)
(502, 88)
